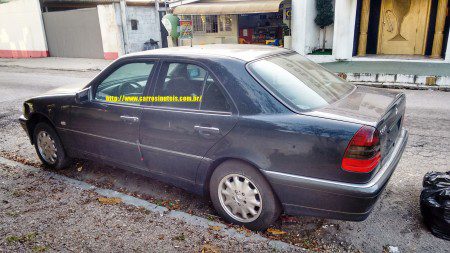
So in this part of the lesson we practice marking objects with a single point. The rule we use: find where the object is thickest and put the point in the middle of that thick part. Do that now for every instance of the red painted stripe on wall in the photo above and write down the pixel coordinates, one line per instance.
(23, 54)
(111, 55)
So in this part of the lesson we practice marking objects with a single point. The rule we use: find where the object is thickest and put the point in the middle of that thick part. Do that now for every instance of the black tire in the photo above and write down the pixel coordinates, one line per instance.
(270, 205)
(62, 160)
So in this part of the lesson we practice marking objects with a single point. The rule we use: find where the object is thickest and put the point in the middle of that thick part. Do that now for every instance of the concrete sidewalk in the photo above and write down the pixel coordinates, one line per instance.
(379, 73)
(56, 63)
(394, 74)
(390, 67)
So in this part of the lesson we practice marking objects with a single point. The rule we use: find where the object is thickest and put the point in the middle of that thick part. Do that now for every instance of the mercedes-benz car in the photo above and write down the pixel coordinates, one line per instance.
(269, 132)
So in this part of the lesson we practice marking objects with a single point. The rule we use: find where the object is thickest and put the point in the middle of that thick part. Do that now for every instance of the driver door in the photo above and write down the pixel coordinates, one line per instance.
(110, 129)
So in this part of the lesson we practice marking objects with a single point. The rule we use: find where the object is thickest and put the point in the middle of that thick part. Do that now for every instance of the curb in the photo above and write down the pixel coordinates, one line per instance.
(52, 68)
(14, 65)
(403, 86)
(398, 81)
(163, 211)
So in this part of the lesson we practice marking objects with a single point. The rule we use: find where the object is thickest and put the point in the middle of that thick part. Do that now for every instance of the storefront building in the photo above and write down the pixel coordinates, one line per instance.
(244, 22)
(369, 29)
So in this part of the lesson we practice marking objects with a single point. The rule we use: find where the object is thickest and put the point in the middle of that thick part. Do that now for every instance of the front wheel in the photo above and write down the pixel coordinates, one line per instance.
(243, 196)
(49, 147)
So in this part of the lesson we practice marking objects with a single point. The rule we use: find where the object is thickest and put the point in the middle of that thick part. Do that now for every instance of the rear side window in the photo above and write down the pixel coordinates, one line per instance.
(213, 98)
(300, 83)
(189, 86)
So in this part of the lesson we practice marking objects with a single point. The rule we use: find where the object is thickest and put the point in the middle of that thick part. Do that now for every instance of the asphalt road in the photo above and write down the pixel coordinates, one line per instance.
(395, 221)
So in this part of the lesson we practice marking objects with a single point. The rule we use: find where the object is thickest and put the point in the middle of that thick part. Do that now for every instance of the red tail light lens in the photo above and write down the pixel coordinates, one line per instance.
(363, 152)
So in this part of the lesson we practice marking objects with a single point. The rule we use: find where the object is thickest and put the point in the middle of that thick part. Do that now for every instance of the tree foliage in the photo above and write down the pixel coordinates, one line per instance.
(325, 13)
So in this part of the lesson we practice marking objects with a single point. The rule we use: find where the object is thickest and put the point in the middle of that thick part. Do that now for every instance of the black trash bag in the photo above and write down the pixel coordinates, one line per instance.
(435, 203)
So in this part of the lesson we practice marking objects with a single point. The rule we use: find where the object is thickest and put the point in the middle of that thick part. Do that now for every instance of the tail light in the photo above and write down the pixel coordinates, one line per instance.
(363, 152)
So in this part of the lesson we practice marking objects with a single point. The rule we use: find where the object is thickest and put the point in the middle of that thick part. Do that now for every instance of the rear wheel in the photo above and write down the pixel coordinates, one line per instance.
(242, 195)
(49, 147)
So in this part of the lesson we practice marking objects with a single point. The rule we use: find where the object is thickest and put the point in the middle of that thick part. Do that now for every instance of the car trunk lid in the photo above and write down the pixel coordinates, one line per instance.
(379, 108)
(390, 125)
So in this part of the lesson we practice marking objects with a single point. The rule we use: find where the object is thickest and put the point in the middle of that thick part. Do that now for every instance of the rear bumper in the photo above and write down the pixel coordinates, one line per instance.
(330, 199)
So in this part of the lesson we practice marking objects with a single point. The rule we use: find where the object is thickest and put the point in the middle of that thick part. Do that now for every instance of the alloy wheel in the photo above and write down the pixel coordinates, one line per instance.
(240, 198)
(47, 147)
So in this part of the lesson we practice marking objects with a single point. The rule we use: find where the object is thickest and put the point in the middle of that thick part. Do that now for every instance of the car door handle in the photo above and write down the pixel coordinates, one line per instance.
(129, 119)
(207, 130)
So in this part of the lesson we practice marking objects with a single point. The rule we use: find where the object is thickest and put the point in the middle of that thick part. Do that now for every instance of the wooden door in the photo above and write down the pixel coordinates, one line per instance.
(403, 27)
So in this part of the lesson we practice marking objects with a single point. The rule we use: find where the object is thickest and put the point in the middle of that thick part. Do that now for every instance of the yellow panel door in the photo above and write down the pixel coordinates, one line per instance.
(403, 27)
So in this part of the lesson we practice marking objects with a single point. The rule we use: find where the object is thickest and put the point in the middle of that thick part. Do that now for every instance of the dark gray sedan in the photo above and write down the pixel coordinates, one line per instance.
(260, 130)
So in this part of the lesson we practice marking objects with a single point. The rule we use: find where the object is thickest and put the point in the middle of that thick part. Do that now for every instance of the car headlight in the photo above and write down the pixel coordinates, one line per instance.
(26, 109)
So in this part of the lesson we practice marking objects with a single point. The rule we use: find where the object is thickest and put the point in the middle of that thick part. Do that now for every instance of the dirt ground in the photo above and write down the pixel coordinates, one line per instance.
(41, 213)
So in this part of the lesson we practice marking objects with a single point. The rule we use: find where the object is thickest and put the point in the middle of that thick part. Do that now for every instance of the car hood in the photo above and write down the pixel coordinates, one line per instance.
(65, 90)
(364, 105)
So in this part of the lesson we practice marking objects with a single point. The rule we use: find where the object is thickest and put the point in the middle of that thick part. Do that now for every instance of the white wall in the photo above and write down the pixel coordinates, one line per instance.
(22, 32)
(148, 26)
(298, 25)
(306, 35)
(111, 28)
(111, 31)
(344, 29)
(313, 31)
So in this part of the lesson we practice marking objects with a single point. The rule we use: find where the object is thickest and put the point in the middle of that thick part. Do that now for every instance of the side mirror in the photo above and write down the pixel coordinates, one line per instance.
(83, 95)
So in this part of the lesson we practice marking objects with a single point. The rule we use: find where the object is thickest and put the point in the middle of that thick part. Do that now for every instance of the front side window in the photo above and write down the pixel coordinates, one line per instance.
(300, 83)
(127, 81)
(189, 86)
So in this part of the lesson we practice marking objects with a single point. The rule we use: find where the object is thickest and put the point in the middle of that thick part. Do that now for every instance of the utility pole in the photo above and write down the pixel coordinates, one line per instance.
(123, 16)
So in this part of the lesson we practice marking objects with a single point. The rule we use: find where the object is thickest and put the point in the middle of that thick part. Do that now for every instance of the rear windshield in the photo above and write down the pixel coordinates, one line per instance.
(299, 82)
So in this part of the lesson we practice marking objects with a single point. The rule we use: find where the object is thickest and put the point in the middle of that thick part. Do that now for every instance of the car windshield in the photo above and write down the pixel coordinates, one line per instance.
(299, 82)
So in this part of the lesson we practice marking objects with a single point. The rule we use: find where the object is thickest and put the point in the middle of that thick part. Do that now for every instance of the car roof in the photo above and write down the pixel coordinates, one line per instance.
(239, 51)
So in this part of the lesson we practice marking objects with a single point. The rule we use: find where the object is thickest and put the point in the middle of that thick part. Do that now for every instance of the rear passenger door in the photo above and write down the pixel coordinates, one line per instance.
(175, 135)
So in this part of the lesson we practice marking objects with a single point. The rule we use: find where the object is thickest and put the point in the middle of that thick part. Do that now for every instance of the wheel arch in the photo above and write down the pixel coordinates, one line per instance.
(215, 164)
(35, 119)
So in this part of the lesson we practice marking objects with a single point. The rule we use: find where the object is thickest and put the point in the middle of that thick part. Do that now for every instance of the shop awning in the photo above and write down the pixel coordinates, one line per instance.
(228, 7)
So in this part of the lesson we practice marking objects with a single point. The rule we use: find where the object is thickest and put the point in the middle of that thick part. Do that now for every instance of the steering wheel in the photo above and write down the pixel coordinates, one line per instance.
(128, 88)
